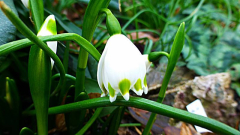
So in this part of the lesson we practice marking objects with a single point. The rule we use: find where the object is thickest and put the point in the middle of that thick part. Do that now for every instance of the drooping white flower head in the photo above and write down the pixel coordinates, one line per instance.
(122, 67)
(49, 28)
(25, 3)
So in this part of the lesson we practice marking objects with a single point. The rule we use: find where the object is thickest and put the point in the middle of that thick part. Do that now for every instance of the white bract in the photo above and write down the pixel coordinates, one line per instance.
(122, 67)
(49, 28)
(25, 3)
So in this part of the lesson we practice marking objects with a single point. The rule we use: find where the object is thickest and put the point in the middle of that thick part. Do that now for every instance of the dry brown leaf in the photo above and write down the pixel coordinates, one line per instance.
(185, 130)
(171, 130)
(94, 95)
(133, 36)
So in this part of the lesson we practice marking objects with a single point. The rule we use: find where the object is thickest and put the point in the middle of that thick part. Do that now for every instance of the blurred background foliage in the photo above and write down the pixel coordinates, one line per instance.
(212, 42)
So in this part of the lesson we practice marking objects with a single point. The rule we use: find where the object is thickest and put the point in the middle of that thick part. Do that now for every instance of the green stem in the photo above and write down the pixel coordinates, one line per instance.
(115, 123)
(66, 75)
(66, 57)
(145, 104)
(90, 22)
(91, 19)
(154, 56)
(131, 125)
(19, 44)
(90, 122)
(37, 10)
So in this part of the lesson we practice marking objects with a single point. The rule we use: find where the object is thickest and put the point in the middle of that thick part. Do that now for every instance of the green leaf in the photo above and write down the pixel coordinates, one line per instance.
(4, 63)
(92, 67)
(107, 110)
(5, 114)
(39, 74)
(112, 5)
(206, 58)
(92, 86)
(7, 29)
(13, 100)
(236, 86)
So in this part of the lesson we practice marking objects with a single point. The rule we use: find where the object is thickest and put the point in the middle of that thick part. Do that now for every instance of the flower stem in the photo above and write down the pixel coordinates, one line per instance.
(91, 19)
(90, 22)
(131, 125)
(37, 12)
(145, 104)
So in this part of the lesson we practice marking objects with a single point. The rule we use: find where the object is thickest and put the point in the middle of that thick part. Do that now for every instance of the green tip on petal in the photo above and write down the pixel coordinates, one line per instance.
(112, 93)
(111, 90)
(51, 26)
(104, 90)
(138, 85)
(124, 87)
(145, 81)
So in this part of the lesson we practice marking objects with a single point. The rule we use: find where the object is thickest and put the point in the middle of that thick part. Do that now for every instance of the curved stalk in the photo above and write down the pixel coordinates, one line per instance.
(145, 104)
(19, 44)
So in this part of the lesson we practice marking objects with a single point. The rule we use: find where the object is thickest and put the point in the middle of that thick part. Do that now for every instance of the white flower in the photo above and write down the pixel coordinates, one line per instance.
(121, 68)
(49, 28)
(25, 3)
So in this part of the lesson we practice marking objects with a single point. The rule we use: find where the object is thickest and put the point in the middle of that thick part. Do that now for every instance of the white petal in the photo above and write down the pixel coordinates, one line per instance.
(112, 99)
(137, 88)
(144, 84)
(147, 62)
(145, 89)
(126, 96)
(122, 61)
(100, 74)
(53, 46)
(25, 3)
(103, 95)
(139, 92)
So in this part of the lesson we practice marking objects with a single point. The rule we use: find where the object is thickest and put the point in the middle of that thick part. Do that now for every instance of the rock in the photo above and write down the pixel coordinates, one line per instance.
(215, 94)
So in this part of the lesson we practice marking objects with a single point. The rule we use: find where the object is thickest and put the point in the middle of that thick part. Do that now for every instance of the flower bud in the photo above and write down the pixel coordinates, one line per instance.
(49, 28)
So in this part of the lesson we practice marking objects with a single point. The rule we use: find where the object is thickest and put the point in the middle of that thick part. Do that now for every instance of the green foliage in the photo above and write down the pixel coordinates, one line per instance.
(211, 45)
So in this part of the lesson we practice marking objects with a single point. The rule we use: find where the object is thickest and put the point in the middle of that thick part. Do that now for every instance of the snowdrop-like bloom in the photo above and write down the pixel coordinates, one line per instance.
(122, 67)
(49, 28)
(25, 3)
